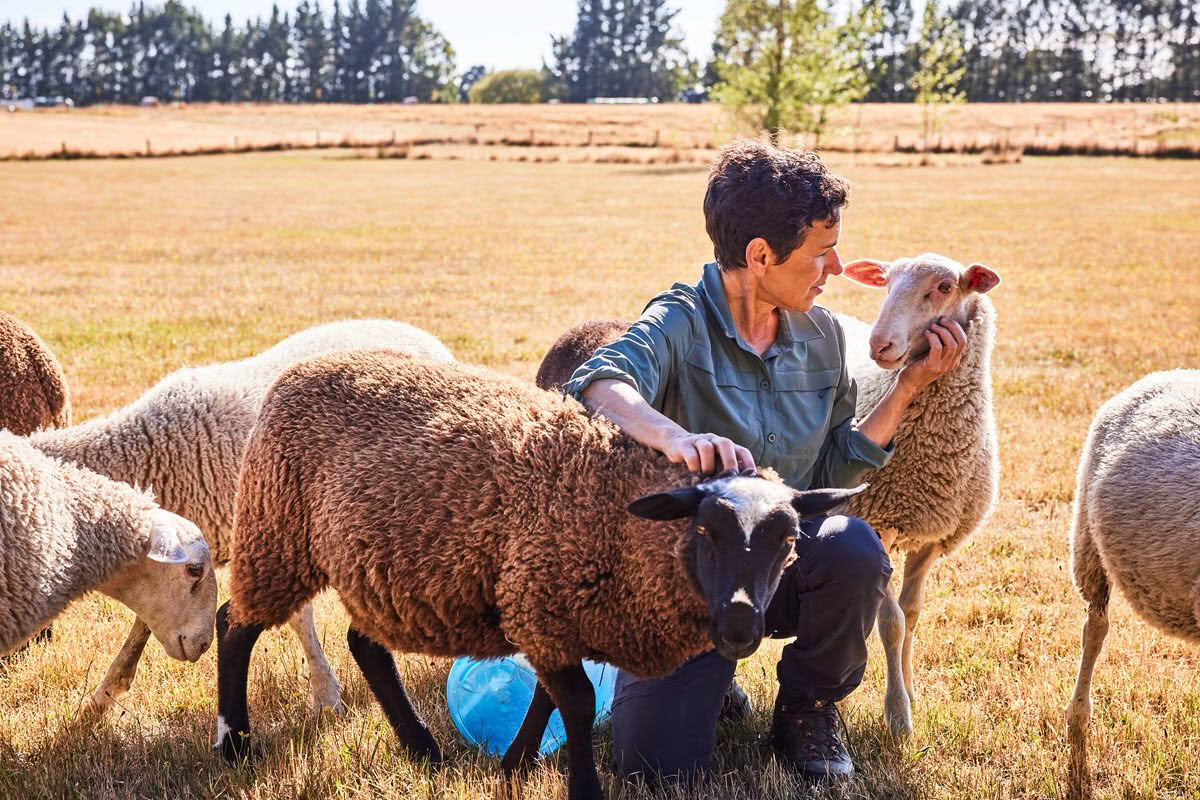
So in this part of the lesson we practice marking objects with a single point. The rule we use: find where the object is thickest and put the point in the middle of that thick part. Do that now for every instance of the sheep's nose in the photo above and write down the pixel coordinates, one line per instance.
(879, 346)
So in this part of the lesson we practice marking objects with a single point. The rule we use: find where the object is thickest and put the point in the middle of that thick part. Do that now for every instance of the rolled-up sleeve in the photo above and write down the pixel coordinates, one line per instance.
(847, 455)
(647, 355)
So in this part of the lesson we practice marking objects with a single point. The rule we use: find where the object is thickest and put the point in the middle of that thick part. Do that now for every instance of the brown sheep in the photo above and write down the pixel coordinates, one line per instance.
(574, 347)
(461, 512)
(31, 381)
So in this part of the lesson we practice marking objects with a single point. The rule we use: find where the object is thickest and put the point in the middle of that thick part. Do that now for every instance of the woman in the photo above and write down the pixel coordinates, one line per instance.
(742, 369)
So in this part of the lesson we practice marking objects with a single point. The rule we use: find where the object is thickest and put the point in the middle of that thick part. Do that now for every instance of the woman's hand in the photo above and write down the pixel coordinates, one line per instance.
(947, 343)
(701, 452)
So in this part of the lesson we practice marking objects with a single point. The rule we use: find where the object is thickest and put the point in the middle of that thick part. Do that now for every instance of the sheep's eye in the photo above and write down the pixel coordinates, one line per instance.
(195, 571)
(944, 287)
(701, 530)
(790, 540)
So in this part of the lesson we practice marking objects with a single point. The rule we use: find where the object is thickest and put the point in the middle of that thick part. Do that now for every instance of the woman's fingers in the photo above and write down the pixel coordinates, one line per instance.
(745, 460)
(728, 453)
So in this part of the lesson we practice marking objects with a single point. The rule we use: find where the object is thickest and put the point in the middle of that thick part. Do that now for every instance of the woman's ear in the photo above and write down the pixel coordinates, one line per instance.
(758, 255)
(867, 271)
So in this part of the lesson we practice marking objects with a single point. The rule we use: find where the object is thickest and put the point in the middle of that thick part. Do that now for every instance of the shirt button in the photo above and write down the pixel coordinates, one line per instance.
(771, 438)
(765, 384)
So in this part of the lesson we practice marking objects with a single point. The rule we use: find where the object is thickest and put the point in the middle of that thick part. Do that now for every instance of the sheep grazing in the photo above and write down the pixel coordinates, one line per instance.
(184, 438)
(1137, 524)
(65, 531)
(941, 483)
(31, 381)
(461, 512)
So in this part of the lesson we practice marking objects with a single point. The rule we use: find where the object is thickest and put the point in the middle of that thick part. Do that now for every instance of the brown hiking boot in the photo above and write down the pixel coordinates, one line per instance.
(808, 737)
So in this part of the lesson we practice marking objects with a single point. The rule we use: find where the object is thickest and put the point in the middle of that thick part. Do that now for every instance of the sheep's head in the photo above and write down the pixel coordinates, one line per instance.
(920, 290)
(742, 534)
(173, 588)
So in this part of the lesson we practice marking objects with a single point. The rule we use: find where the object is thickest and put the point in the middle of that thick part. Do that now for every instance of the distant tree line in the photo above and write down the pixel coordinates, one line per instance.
(383, 51)
(1061, 50)
(359, 52)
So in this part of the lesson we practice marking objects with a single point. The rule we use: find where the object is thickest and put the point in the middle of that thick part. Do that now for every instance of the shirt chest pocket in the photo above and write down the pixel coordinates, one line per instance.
(721, 399)
(804, 401)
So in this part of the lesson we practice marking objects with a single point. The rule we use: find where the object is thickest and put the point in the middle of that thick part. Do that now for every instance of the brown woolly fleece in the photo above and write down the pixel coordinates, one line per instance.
(461, 512)
(574, 347)
(33, 389)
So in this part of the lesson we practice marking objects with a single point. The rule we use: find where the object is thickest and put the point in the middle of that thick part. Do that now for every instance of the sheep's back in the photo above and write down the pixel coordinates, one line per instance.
(32, 382)
(1141, 486)
(411, 480)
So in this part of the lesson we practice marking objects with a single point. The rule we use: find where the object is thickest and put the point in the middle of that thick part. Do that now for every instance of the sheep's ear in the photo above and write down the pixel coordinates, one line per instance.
(978, 278)
(675, 504)
(164, 543)
(815, 502)
(867, 271)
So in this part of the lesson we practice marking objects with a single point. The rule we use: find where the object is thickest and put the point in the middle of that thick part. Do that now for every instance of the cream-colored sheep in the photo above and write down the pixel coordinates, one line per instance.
(65, 530)
(184, 439)
(1137, 524)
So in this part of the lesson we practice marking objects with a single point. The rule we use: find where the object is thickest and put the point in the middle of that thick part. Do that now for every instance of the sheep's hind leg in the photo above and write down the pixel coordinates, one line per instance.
(379, 668)
(897, 708)
(528, 742)
(572, 692)
(120, 673)
(326, 691)
(912, 595)
(234, 647)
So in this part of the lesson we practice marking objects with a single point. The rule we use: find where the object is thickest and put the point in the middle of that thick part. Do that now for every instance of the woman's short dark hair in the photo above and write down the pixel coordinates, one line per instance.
(758, 189)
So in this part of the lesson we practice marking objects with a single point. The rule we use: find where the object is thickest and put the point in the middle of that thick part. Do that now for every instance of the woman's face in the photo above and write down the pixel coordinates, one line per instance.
(794, 283)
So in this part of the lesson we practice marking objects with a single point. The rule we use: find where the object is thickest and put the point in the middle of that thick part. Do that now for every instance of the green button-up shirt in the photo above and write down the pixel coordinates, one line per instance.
(793, 407)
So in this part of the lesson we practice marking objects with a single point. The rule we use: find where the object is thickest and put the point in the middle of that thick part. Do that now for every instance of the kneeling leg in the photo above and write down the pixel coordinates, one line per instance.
(379, 668)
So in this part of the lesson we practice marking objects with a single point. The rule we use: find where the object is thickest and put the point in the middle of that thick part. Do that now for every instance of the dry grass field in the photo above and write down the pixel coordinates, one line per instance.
(130, 269)
(670, 132)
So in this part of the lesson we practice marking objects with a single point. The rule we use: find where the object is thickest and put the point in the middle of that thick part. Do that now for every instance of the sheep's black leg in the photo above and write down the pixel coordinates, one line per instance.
(379, 668)
(524, 748)
(234, 646)
(572, 692)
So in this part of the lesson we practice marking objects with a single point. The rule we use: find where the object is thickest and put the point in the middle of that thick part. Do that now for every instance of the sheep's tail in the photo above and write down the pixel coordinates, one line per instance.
(271, 572)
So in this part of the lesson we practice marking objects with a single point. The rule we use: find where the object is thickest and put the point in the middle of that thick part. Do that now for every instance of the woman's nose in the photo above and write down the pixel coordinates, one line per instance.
(835, 263)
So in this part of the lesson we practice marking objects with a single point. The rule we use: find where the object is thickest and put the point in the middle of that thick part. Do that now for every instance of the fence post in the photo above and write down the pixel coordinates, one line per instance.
(148, 151)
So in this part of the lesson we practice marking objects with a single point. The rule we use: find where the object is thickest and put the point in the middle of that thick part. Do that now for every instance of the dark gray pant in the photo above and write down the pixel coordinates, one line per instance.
(827, 599)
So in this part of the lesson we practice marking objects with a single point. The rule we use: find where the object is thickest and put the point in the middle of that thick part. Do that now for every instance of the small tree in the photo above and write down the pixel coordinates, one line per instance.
(508, 86)
(938, 70)
(783, 65)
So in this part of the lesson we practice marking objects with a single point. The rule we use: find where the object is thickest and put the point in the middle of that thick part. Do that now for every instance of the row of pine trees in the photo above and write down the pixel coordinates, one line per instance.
(383, 51)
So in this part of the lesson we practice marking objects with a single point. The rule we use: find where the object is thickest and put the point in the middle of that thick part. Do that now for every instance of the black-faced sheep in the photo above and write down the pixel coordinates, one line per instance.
(460, 512)
(65, 531)
(941, 483)
(1136, 525)
(32, 384)
(184, 438)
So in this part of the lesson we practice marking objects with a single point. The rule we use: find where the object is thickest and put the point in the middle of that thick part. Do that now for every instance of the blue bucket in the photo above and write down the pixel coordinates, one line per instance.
(488, 700)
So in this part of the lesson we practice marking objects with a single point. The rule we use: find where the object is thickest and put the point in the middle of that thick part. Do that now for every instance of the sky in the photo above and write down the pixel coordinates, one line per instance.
(499, 35)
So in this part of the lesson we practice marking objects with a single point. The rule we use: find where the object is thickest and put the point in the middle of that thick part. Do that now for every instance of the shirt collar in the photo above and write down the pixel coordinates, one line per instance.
(795, 326)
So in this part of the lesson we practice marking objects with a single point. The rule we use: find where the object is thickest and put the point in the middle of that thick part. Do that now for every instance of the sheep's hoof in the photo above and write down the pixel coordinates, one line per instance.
(328, 695)
(899, 717)
(236, 748)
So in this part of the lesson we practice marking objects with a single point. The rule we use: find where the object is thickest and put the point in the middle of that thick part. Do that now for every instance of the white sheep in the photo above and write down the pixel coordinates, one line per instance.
(1137, 524)
(184, 438)
(65, 531)
(941, 484)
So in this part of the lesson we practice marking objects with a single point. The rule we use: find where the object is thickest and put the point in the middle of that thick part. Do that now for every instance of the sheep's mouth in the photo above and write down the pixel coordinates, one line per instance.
(889, 364)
